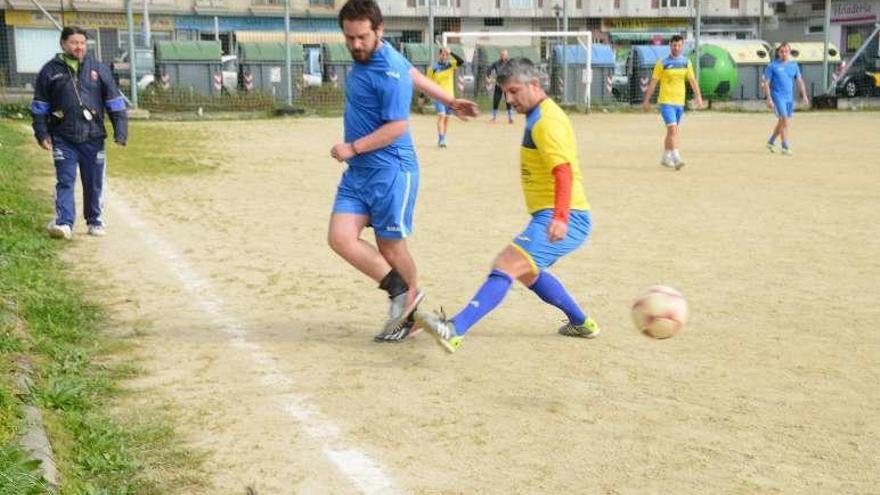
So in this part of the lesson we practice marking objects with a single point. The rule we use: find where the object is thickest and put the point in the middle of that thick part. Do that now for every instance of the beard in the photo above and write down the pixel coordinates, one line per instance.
(365, 54)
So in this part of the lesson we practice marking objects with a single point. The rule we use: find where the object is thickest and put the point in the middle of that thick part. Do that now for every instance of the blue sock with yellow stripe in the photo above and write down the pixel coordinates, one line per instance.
(485, 300)
(551, 291)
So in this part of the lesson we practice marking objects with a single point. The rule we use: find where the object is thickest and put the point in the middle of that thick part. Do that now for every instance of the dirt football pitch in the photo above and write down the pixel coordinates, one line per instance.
(259, 337)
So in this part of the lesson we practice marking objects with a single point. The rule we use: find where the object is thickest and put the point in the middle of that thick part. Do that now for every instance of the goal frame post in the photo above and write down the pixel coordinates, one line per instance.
(584, 38)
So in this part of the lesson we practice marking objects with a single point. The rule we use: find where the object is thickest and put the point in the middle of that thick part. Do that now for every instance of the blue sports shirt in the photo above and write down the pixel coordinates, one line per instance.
(378, 92)
(781, 75)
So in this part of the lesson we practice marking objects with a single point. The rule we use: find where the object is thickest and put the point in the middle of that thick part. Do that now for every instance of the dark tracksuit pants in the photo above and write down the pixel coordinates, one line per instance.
(496, 100)
(90, 159)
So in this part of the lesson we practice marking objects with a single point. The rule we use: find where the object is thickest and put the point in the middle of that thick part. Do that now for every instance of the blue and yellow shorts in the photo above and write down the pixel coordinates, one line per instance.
(542, 253)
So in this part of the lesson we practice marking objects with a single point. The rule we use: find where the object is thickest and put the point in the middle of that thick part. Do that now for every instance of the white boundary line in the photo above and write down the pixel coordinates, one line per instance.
(358, 467)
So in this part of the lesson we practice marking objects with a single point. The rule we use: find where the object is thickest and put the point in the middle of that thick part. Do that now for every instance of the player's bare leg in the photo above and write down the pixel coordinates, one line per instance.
(344, 238)
(400, 323)
(783, 132)
(397, 255)
(442, 122)
(670, 147)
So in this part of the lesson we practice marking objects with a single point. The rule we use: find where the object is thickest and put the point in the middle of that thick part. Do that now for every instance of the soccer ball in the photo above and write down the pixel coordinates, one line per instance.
(661, 312)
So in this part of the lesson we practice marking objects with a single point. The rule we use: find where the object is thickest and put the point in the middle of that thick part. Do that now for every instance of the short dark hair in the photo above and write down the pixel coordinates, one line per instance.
(358, 10)
(69, 31)
(676, 37)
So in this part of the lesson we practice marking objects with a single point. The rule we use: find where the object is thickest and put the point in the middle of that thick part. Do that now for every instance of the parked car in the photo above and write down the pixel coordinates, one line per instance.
(145, 67)
(620, 82)
(862, 83)
(229, 68)
(860, 79)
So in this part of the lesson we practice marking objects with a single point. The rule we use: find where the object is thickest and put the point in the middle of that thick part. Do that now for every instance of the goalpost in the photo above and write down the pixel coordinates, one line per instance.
(584, 38)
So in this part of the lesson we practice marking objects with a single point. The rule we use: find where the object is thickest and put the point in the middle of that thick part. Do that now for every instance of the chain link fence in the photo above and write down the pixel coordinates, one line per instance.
(208, 64)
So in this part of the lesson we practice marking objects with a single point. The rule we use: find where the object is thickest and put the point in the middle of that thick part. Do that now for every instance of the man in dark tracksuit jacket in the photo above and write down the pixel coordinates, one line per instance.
(71, 94)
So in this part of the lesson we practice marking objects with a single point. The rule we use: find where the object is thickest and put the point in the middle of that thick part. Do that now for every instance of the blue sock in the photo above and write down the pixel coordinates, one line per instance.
(784, 144)
(551, 291)
(485, 300)
(772, 139)
(494, 114)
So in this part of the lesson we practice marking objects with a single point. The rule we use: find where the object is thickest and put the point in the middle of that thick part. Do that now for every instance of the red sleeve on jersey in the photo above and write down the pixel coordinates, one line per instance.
(562, 196)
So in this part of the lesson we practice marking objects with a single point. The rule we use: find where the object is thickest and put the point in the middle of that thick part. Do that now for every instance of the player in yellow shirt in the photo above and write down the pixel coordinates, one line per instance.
(551, 181)
(443, 73)
(671, 73)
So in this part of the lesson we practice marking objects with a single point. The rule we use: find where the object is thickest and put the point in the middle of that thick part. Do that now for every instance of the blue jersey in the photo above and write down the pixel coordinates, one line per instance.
(378, 92)
(781, 75)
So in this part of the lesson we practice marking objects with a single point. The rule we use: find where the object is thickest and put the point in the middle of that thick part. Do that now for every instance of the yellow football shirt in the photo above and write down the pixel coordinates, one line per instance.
(672, 74)
(549, 141)
(444, 75)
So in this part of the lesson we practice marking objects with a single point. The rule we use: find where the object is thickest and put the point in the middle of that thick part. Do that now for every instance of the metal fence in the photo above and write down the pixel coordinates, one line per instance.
(210, 65)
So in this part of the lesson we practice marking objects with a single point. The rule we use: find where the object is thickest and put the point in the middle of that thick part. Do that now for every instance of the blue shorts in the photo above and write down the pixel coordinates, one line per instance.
(535, 245)
(784, 107)
(441, 108)
(671, 114)
(386, 195)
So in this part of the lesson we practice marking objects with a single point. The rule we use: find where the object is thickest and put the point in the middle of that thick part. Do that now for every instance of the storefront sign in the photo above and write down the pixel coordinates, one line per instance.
(853, 11)
(645, 24)
(87, 20)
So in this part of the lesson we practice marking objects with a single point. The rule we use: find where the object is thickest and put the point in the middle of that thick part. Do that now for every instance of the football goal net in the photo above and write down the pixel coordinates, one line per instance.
(565, 57)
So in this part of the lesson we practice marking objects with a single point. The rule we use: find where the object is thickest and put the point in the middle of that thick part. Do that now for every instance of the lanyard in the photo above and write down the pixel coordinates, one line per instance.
(87, 114)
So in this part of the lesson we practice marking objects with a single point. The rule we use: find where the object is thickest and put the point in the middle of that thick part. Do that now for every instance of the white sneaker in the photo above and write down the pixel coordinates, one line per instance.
(59, 231)
(97, 230)
(399, 312)
(677, 162)
(667, 161)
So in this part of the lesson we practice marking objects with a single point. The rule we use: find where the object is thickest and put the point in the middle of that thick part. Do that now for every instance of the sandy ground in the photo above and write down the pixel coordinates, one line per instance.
(250, 327)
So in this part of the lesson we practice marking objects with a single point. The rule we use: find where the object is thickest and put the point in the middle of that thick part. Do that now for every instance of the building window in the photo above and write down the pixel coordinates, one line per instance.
(579, 4)
(497, 4)
(33, 48)
(411, 3)
(677, 4)
(540, 4)
(815, 29)
(655, 4)
(520, 4)
(315, 3)
(493, 21)
(818, 6)
(779, 7)
(734, 4)
(616, 4)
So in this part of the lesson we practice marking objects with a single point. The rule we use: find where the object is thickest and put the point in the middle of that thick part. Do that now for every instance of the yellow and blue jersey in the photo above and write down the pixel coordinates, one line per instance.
(443, 73)
(549, 141)
(672, 72)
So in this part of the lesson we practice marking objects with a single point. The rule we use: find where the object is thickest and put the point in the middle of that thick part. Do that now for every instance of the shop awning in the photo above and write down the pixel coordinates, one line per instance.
(642, 35)
(301, 37)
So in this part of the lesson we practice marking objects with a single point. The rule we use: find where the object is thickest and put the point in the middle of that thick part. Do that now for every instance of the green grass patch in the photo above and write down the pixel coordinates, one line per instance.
(45, 318)
(161, 148)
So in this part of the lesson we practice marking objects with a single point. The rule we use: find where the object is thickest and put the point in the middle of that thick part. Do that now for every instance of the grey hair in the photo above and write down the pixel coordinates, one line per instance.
(522, 69)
